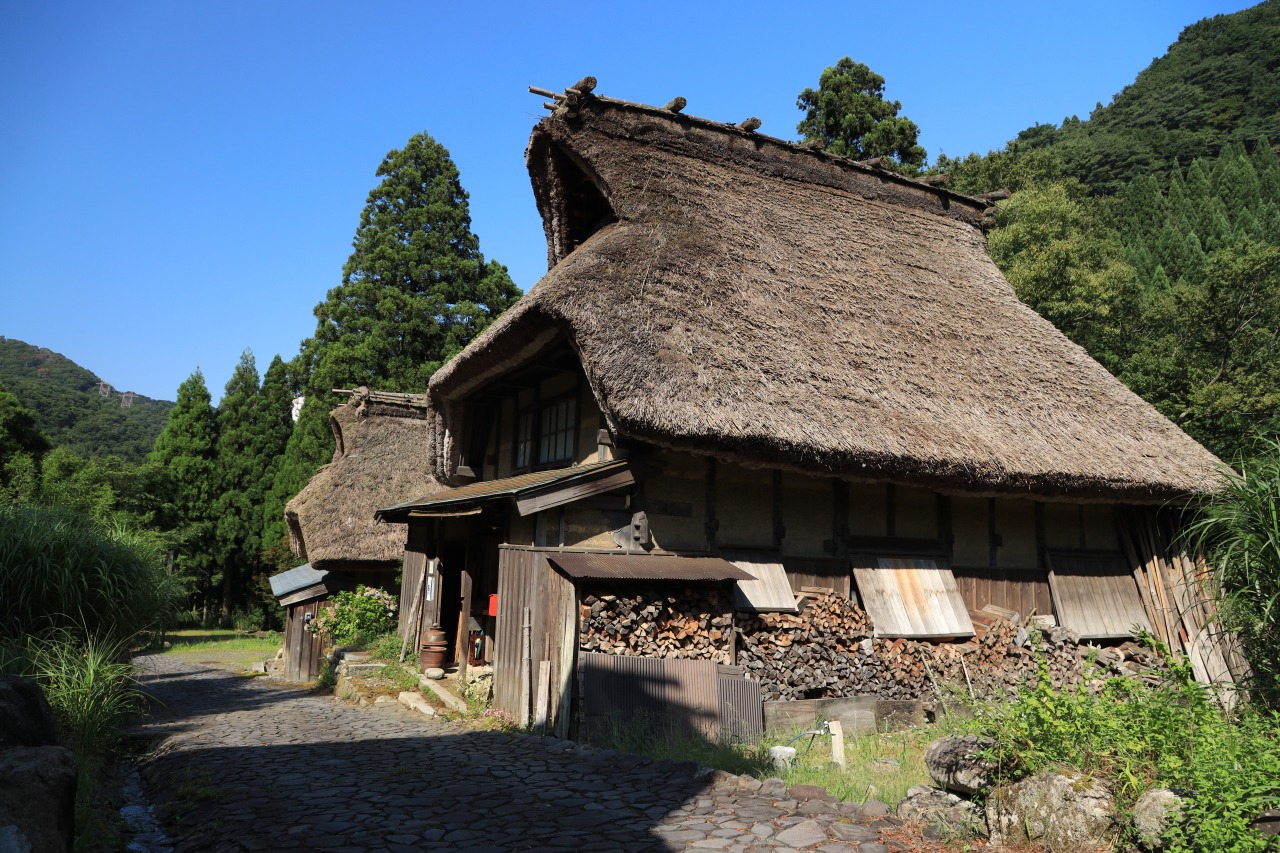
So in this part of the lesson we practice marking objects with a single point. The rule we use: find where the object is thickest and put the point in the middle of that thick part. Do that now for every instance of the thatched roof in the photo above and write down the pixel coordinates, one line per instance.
(778, 306)
(380, 457)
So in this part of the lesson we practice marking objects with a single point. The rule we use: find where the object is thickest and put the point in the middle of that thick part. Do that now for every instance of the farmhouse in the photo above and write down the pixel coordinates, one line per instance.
(758, 382)
(378, 439)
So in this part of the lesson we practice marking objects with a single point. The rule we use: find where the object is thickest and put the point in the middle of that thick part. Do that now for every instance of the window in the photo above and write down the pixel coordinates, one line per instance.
(557, 433)
(524, 440)
(547, 435)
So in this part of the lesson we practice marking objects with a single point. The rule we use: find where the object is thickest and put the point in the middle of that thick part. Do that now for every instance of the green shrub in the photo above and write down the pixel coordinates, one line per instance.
(1136, 735)
(356, 618)
(89, 684)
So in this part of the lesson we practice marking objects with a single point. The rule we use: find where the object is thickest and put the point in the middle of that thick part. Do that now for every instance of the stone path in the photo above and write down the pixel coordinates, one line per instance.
(244, 764)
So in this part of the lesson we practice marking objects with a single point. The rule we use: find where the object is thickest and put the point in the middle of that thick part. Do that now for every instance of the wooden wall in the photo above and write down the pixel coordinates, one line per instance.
(1026, 591)
(301, 647)
(526, 581)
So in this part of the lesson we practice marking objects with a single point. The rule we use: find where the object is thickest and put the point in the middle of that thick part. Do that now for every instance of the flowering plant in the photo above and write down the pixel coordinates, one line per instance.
(353, 618)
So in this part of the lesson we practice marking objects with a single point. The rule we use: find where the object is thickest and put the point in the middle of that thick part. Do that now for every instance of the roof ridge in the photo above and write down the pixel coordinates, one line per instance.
(582, 93)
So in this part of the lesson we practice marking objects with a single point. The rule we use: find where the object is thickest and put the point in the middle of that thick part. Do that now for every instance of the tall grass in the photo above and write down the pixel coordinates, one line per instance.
(59, 569)
(88, 683)
(1239, 528)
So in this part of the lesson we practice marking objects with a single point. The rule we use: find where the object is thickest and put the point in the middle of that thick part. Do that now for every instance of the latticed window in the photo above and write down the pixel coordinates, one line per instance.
(557, 433)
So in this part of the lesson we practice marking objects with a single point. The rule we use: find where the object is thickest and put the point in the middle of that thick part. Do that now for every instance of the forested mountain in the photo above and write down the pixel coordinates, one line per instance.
(72, 412)
(1150, 233)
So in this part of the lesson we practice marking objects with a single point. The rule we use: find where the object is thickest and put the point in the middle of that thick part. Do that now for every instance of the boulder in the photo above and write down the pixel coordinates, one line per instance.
(25, 716)
(946, 813)
(1061, 812)
(956, 763)
(37, 774)
(1153, 813)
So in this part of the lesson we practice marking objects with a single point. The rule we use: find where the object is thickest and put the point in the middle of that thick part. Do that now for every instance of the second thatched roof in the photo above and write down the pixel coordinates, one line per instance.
(739, 296)
(378, 460)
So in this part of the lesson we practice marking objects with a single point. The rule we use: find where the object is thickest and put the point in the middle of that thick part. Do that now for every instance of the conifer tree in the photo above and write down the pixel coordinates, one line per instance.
(274, 427)
(235, 508)
(414, 292)
(187, 450)
(848, 112)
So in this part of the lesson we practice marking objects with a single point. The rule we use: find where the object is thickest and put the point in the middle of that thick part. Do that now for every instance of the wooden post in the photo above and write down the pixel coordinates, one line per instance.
(464, 626)
(544, 697)
(411, 628)
(525, 666)
(837, 743)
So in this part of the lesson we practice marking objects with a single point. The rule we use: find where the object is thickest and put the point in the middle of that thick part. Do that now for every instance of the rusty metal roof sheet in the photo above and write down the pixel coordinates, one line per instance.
(508, 487)
(646, 567)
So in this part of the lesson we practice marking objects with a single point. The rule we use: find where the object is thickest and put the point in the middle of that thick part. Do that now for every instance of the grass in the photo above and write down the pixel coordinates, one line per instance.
(877, 766)
(230, 649)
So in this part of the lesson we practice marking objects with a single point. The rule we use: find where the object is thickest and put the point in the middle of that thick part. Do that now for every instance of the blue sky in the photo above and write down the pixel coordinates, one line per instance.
(181, 180)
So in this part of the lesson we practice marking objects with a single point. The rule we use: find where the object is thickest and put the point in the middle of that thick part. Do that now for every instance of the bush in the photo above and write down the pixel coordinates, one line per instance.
(356, 618)
(1138, 736)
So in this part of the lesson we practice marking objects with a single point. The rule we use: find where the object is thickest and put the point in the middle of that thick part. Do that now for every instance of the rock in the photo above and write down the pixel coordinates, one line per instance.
(956, 763)
(773, 787)
(853, 832)
(435, 673)
(946, 813)
(781, 757)
(1153, 813)
(25, 717)
(875, 808)
(1062, 812)
(805, 793)
(1267, 824)
(805, 834)
(37, 774)
(414, 700)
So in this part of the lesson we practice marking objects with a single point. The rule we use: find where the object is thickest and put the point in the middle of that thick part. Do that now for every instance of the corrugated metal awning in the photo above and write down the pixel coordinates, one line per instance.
(532, 492)
(292, 580)
(649, 567)
(768, 589)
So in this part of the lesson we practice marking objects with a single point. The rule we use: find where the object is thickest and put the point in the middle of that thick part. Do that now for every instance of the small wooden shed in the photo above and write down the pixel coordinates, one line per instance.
(302, 592)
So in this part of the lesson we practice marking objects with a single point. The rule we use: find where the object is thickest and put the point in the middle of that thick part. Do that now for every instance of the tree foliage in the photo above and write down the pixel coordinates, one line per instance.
(414, 292)
(187, 449)
(70, 411)
(848, 112)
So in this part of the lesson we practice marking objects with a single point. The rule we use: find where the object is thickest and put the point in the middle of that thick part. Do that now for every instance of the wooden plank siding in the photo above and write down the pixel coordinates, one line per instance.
(911, 598)
(526, 580)
(1096, 595)
(302, 648)
(827, 574)
(1026, 591)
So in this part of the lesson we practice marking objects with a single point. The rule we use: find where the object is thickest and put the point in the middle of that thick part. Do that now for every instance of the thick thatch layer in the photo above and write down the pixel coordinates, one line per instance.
(379, 459)
(740, 296)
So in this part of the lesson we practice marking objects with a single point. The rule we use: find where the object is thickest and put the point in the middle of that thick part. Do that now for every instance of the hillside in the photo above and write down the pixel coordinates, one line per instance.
(73, 413)
(1150, 233)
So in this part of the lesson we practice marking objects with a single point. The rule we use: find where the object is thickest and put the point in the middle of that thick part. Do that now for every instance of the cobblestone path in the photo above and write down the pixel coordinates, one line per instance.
(242, 764)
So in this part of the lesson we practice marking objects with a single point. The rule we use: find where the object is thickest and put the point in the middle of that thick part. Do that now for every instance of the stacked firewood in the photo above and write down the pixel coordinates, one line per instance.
(828, 649)
(1001, 658)
(694, 622)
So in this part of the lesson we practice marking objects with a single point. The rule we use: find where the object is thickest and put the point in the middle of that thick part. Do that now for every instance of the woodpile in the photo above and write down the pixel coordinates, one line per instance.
(828, 649)
(659, 622)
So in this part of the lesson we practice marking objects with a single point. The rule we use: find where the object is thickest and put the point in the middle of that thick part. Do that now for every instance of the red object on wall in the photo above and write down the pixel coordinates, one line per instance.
(493, 604)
